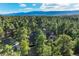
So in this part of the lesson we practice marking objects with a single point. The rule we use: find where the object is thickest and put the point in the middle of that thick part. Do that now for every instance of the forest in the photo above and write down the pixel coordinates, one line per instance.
(39, 35)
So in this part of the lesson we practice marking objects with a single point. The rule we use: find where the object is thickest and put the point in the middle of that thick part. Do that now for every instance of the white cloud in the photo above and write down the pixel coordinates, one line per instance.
(34, 4)
(9, 12)
(26, 9)
(19, 10)
(22, 5)
(59, 7)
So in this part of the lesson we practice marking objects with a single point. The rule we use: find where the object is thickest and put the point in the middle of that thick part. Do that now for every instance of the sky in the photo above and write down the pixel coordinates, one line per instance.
(6, 8)
(40, 1)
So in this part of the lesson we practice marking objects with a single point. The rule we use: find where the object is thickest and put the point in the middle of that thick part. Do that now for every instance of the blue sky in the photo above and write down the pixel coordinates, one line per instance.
(18, 7)
(6, 8)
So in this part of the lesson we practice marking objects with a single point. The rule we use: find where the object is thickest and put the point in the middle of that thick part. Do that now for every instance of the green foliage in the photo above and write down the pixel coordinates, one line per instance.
(47, 50)
(24, 41)
(25, 47)
(7, 50)
(1, 30)
(64, 44)
(39, 35)
(40, 42)
(40, 38)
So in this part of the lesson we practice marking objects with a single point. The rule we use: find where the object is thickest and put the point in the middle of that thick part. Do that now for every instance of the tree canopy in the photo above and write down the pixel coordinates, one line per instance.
(39, 35)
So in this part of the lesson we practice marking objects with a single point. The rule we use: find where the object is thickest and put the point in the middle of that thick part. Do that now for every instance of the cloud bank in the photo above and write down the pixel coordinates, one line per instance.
(59, 7)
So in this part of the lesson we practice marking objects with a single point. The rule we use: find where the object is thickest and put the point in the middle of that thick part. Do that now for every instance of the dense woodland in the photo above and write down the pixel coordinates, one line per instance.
(39, 35)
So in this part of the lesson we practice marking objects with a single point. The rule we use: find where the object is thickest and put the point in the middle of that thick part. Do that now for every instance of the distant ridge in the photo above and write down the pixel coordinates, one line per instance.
(43, 13)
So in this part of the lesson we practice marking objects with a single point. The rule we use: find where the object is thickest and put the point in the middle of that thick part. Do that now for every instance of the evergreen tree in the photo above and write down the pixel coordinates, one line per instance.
(65, 45)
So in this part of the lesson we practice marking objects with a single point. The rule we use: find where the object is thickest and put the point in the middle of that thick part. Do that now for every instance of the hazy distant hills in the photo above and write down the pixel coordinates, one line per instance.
(43, 13)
